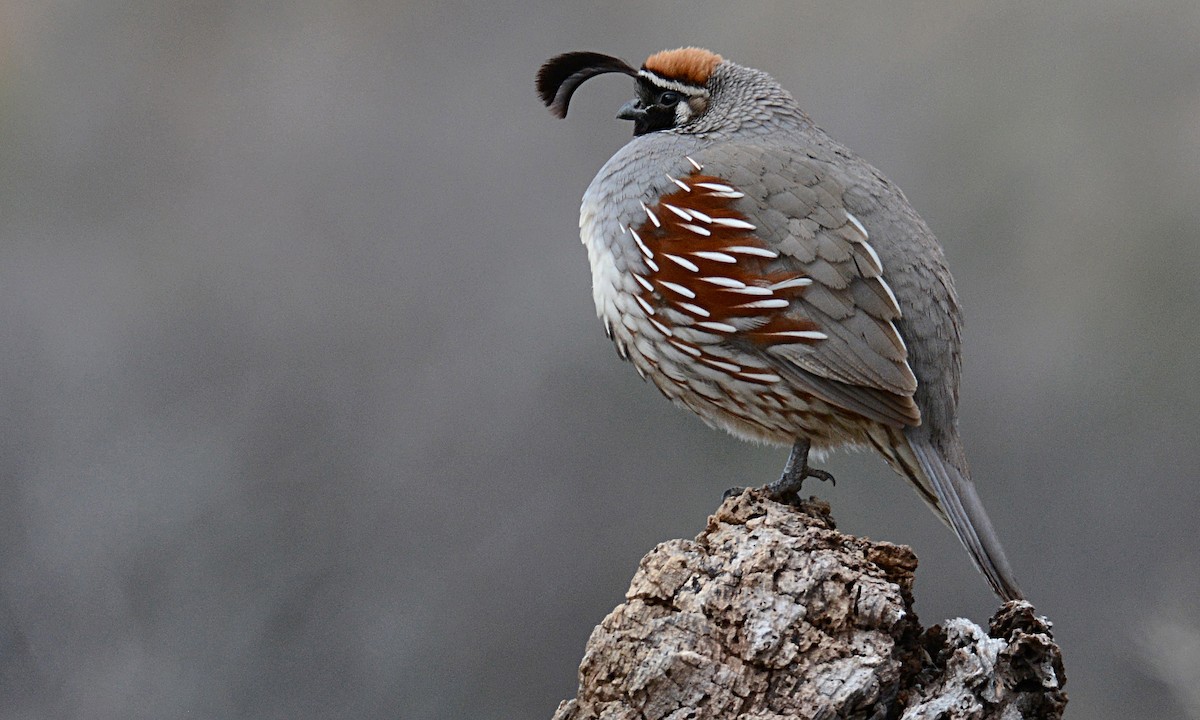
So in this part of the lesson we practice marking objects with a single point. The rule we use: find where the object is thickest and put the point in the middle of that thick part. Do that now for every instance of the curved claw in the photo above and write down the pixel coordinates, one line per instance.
(794, 472)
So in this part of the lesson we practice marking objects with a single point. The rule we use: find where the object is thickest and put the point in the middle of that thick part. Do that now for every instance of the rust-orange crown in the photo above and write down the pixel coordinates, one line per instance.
(690, 65)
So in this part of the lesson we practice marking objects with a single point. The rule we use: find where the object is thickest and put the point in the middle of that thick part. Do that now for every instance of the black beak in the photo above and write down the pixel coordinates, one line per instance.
(632, 110)
(560, 76)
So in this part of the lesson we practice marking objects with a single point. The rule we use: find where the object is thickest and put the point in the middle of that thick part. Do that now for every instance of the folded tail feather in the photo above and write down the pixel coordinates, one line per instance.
(951, 494)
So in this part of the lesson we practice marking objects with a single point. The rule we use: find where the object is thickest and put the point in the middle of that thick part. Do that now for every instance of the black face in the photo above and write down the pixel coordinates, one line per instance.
(654, 109)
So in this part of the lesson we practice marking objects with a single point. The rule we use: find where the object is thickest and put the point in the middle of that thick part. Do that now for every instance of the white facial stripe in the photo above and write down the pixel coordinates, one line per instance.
(665, 84)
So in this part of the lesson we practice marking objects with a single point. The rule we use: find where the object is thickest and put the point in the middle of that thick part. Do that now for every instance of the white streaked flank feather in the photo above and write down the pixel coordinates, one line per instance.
(891, 295)
(735, 223)
(801, 334)
(661, 328)
(761, 377)
(721, 364)
(714, 256)
(752, 290)
(653, 217)
(683, 262)
(694, 352)
(768, 304)
(679, 182)
(874, 256)
(854, 221)
(641, 245)
(725, 282)
(677, 288)
(681, 213)
(793, 283)
(751, 250)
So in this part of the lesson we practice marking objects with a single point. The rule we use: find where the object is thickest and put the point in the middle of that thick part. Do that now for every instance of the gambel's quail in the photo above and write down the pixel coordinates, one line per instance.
(765, 277)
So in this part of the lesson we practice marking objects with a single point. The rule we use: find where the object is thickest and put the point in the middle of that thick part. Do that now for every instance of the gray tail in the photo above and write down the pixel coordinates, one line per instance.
(950, 492)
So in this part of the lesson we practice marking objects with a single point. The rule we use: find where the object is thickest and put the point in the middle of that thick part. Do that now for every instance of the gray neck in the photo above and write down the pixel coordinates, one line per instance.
(747, 101)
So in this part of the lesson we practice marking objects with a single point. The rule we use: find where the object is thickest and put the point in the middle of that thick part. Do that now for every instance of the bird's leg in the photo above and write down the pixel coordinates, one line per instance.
(794, 472)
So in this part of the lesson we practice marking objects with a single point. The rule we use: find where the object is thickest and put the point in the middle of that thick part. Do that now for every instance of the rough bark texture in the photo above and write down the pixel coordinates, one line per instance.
(771, 613)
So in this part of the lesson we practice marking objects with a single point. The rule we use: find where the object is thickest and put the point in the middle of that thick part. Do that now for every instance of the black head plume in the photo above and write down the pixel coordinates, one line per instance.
(560, 76)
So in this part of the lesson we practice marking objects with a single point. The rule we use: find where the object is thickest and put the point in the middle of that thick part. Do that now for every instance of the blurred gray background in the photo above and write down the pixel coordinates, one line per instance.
(306, 412)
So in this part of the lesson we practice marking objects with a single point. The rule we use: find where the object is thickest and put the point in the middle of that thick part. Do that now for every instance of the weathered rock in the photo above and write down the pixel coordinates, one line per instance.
(772, 613)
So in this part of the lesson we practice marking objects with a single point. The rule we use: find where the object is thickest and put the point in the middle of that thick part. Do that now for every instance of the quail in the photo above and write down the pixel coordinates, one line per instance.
(768, 279)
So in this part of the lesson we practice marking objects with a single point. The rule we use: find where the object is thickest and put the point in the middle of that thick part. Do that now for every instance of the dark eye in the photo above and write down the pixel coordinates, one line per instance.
(669, 98)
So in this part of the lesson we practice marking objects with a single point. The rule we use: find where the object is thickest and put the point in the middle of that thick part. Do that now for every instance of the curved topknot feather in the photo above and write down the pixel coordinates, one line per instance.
(559, 77)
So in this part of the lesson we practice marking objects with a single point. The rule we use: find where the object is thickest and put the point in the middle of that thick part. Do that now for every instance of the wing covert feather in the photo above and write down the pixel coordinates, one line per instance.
(795, 201)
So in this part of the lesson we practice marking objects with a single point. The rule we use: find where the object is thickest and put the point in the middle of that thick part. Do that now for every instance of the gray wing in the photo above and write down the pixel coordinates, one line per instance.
(795, 203)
